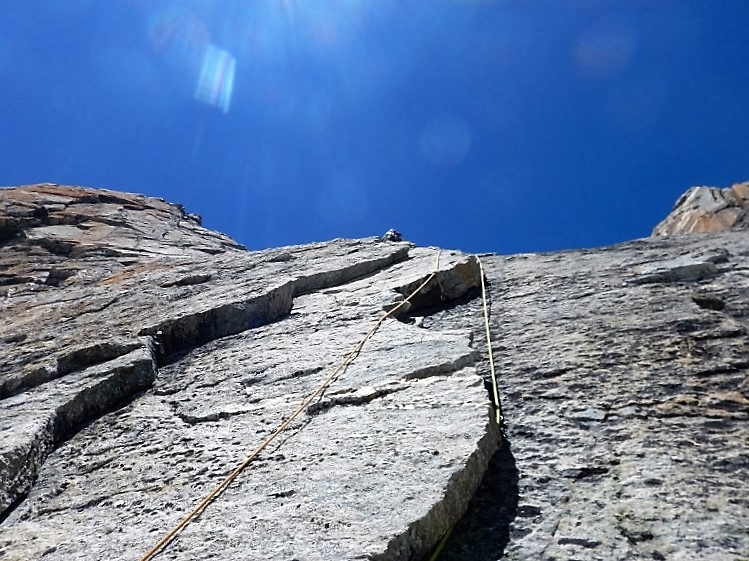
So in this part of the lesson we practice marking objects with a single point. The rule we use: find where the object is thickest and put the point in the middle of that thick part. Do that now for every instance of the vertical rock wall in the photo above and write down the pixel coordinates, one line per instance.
(624, 377)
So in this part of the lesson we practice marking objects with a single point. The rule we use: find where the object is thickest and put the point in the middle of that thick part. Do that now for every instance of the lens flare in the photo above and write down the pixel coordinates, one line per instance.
(178, 36)
(606, 50)
(216, 80)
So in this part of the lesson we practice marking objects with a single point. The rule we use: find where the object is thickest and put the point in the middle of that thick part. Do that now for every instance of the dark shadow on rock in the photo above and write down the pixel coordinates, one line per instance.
(484, 532)
(428, 312)
(12, 506)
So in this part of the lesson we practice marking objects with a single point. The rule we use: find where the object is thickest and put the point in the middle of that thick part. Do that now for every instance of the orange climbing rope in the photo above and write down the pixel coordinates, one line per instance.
(221, 487)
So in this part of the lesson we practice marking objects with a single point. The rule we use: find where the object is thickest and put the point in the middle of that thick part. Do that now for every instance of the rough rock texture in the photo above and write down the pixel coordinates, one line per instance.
(708, 209)
(134, 383)
(143, 357)
(624, 380)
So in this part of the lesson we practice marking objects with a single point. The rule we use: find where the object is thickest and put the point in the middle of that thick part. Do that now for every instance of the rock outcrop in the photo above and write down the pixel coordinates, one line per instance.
(708, 209)
(142, 357)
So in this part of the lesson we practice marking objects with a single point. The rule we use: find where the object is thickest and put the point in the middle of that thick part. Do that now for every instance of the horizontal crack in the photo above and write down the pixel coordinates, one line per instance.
(192, 330)
(71, 360)
(336, 277)
(94, 394)
(362, 396)
(210, 417)
(444, 368)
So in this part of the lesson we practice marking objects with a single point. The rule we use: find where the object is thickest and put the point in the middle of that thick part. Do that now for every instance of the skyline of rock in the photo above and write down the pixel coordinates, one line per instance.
(142, 356)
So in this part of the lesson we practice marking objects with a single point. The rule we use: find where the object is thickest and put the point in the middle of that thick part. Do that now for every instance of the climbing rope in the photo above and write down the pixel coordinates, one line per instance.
(497, 402)
(495, 387)
(441, 545)
(221, 487)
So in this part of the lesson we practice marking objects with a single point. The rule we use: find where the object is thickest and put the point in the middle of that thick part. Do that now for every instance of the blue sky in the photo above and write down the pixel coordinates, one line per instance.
(484, 125)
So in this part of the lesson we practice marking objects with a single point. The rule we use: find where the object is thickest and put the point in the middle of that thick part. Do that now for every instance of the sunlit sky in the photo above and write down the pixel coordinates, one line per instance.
(483, 125)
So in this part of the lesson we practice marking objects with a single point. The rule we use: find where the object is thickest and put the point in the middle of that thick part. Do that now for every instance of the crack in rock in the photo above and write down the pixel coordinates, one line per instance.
(336, 277)
(19, 465)
(188, 280)
(70, 360)
(191, 330)
(97, 390)
(360, 396)
(145, 266)
(683, 270)
(444, 368)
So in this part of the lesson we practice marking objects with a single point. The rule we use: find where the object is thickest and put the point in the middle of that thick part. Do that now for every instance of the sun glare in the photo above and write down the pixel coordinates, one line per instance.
(208, 43)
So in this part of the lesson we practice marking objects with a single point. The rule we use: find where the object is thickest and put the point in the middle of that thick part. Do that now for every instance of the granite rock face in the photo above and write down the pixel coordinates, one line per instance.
(625, 386)
(142, 357)
(708, 209)
(146, 358)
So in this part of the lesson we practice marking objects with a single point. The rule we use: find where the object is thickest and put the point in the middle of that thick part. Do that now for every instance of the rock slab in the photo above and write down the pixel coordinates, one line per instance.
(143, 357)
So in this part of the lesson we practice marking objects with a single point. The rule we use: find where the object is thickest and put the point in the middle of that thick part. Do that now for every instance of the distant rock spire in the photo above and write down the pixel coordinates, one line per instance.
(708, 209)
